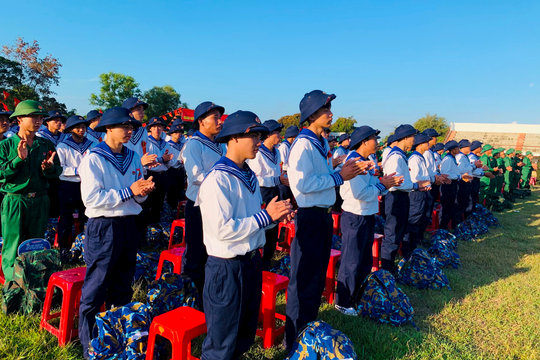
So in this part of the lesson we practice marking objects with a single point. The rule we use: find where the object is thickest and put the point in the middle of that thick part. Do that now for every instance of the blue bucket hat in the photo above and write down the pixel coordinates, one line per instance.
(390, 139)
(292, 131)
(475, 145)
(332, 138)
(343, 137)
(313, 101)
(176, 126)
(421, 138)
(362, 133)
(55, 114)
(73, 121)
(273, 125)
(190, 132)
(403, 131)
(452, 144)
(464, 143)
(241, 122)
(155, 121)
(431, 132)
(8, 113)
(116, 116)
(131, 102)
(204, 108)
(92, 114)
(438, 147)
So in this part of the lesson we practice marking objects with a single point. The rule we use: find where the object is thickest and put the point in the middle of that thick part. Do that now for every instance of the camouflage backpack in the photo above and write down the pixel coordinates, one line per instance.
(486, 215)
(121, 333)
(146, 266)
(171, 291)
(319, 341)
(77, 248)
(444, 237)
(31, 273)
(383, 301)
(445, 255)
(283, 266)
(422, 271)
(464, 232)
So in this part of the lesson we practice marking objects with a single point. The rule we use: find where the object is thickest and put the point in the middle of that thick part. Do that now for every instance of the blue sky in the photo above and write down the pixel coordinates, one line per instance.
(388, 62)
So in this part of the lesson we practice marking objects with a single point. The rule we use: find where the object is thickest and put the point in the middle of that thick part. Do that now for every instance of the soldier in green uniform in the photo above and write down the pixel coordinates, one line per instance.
(509, 174)
(26, 162)
(526, 171)
(502, 169)
(517, 165)
(488, 181)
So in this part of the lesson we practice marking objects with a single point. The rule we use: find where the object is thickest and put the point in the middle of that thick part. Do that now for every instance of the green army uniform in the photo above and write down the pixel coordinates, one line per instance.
(487, 185)
(508, 174)
(24, 184)
(526, 171)
(516, 176)
(500, 178)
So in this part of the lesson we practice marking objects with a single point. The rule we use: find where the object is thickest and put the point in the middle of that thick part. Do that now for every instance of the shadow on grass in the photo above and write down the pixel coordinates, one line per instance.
(491, 258)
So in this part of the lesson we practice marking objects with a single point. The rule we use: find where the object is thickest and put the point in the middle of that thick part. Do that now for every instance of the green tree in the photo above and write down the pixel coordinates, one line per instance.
(10, 73)
(343, 124)
(434, 121)
(161, 100)
(289, 120)
(115, 88)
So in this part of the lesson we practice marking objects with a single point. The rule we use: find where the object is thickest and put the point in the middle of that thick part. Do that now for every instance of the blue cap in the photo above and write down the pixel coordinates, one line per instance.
(431, 132)
(115, 116)
(464, 143)
(273, 125)
(331, 138)
(191, 132)
(390, 139)
(131, 102)
(240, 122)
(155, 121)
(362, 133)
(343, 137)
(55, 114)
(475, 145)
(292, 131)
(73, 121)
(92, 114)
(438, 147)
(204, 108)
(403, 131)
(421, 138)
(452, 144)
(176, 126)
(313, 101)
(8, 113)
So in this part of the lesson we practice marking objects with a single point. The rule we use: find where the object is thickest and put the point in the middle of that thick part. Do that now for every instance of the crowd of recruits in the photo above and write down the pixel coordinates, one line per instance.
(121, 165)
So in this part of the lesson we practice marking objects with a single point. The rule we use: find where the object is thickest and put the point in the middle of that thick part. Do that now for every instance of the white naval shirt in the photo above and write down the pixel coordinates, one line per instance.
(46, 134)
(266, 166)
(199, 156)
(418, 168)
(176, 149)
(138, 141)
(431, 164)
(449, 167)
(284, 149)
(70, 154)
(361, 194)
(311, 177)
(95, 136)
(106, 178)
(159, 147)
(477, 172)
(230, 202)
(396, 162)
(464, 164)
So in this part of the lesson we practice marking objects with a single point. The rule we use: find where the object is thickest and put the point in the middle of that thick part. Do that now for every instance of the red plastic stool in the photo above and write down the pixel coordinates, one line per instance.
(180, 326)
(330, 287)
(70, 282)
(336, 218)
(271, 285)
(174, 256)
(178, 223)
(2, 278)
(376, 252)
(290, 233)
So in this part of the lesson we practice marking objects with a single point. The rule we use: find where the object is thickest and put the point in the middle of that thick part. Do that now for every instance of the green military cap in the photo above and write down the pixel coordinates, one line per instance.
(486, 147)
(528, 153)
(518, 151)
(509, 151)
(495, 152)
(29, 107)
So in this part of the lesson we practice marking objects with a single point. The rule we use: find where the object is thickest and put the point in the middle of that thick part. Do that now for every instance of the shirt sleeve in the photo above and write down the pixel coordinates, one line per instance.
(63, 155)
(8, 166)
(364, 189)
(192, 157)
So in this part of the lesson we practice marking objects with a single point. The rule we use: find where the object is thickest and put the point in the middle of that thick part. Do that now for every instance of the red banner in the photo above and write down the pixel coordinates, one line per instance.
(16, 101)
(6, 94)
(188, 115)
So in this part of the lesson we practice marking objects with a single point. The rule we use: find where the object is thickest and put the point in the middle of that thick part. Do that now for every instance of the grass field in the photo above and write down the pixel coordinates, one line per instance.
(492, 311)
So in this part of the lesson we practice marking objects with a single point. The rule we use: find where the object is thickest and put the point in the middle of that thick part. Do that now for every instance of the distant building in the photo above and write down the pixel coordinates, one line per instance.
(524, 137)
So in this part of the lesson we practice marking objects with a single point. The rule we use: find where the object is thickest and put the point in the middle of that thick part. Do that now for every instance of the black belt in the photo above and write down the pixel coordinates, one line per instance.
(247, 256)
(29, 195)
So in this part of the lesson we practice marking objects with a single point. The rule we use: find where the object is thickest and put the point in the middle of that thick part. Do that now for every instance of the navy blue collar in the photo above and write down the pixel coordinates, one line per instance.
(176, 145)
(137, 135)
(203, 139)
(270, 154)
(120, 161)
(418, 154)
(320, 145)
(94, 133)
(245, 175)
(159, 143)
(80, 147)
(49, 135)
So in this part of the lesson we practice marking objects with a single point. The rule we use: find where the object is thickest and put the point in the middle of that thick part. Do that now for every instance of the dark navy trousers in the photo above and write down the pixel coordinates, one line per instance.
(268, 193)
(463, 200)
(356, 256)
(310, 252)
(232, 296)
(195, 255)
(473, 200)
(396, 206)
(448, 204)
(110, 253)
(175, 190)
(154, 203)
(70, 200)
(419, 202)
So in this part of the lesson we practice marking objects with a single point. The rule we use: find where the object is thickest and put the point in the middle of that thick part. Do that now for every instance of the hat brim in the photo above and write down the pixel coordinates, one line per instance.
(224, 136)
(220, 108)
(24, 113)
(103, 128)
(305, 115)
(354, 144)
(62, 118)
(72, 126)
(403, 136)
